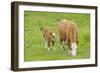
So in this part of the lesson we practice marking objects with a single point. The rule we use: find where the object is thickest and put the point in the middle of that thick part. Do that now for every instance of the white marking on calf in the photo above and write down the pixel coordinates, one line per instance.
(74, 49)
(54, 34)
(45, 43)
(53, 48)
(48, 48)
(65, 42)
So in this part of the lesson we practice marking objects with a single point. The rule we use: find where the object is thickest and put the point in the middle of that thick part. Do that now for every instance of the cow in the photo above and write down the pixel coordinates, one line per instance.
(68, 34)
(49, 38)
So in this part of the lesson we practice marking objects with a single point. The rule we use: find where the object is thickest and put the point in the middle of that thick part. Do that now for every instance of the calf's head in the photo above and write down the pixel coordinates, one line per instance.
(53, 36)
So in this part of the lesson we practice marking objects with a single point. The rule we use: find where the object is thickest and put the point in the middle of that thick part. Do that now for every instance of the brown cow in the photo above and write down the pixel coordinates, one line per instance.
(68, 33)
(49, 38)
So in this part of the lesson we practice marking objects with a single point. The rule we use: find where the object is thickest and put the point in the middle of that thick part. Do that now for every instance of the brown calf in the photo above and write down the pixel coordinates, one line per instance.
(49, 38)
(68, 35)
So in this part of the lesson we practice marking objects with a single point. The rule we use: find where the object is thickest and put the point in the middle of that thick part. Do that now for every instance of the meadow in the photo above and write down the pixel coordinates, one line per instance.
(33, 41)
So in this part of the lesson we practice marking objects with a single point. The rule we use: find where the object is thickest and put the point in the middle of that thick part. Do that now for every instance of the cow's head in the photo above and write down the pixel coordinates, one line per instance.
(73, 47)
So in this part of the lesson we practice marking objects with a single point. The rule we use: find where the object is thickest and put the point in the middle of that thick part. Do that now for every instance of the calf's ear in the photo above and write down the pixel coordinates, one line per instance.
(50, 33)
(77, 41)
(58, 19)
(41, 28)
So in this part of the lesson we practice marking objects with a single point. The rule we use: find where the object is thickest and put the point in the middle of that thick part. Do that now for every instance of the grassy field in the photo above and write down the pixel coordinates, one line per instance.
(34, 47)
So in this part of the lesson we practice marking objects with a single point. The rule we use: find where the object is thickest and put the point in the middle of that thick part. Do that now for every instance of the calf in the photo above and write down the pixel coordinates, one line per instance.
(49, 38)
(68, 33)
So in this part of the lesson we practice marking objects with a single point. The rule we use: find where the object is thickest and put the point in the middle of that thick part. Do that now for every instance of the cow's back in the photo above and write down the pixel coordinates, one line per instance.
(68, 31)
(62, 30)
(71, 32)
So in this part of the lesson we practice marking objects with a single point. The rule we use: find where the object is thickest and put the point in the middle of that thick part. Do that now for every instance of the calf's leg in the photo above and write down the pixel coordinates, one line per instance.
(48, 43)
(53, 44)
(45, 43)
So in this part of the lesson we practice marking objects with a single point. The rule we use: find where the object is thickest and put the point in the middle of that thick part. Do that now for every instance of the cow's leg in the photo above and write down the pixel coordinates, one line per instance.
(69, 50)
(62, 44)
(73, 49)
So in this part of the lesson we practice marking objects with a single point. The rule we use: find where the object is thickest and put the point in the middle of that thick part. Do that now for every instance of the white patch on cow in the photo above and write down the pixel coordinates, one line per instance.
(74, 49)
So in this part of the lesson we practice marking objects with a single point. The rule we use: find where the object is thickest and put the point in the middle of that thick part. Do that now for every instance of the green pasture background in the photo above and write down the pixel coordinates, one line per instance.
(33, 42)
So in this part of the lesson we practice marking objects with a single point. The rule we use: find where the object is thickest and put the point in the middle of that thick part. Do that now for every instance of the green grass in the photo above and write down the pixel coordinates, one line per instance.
(33, 46)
